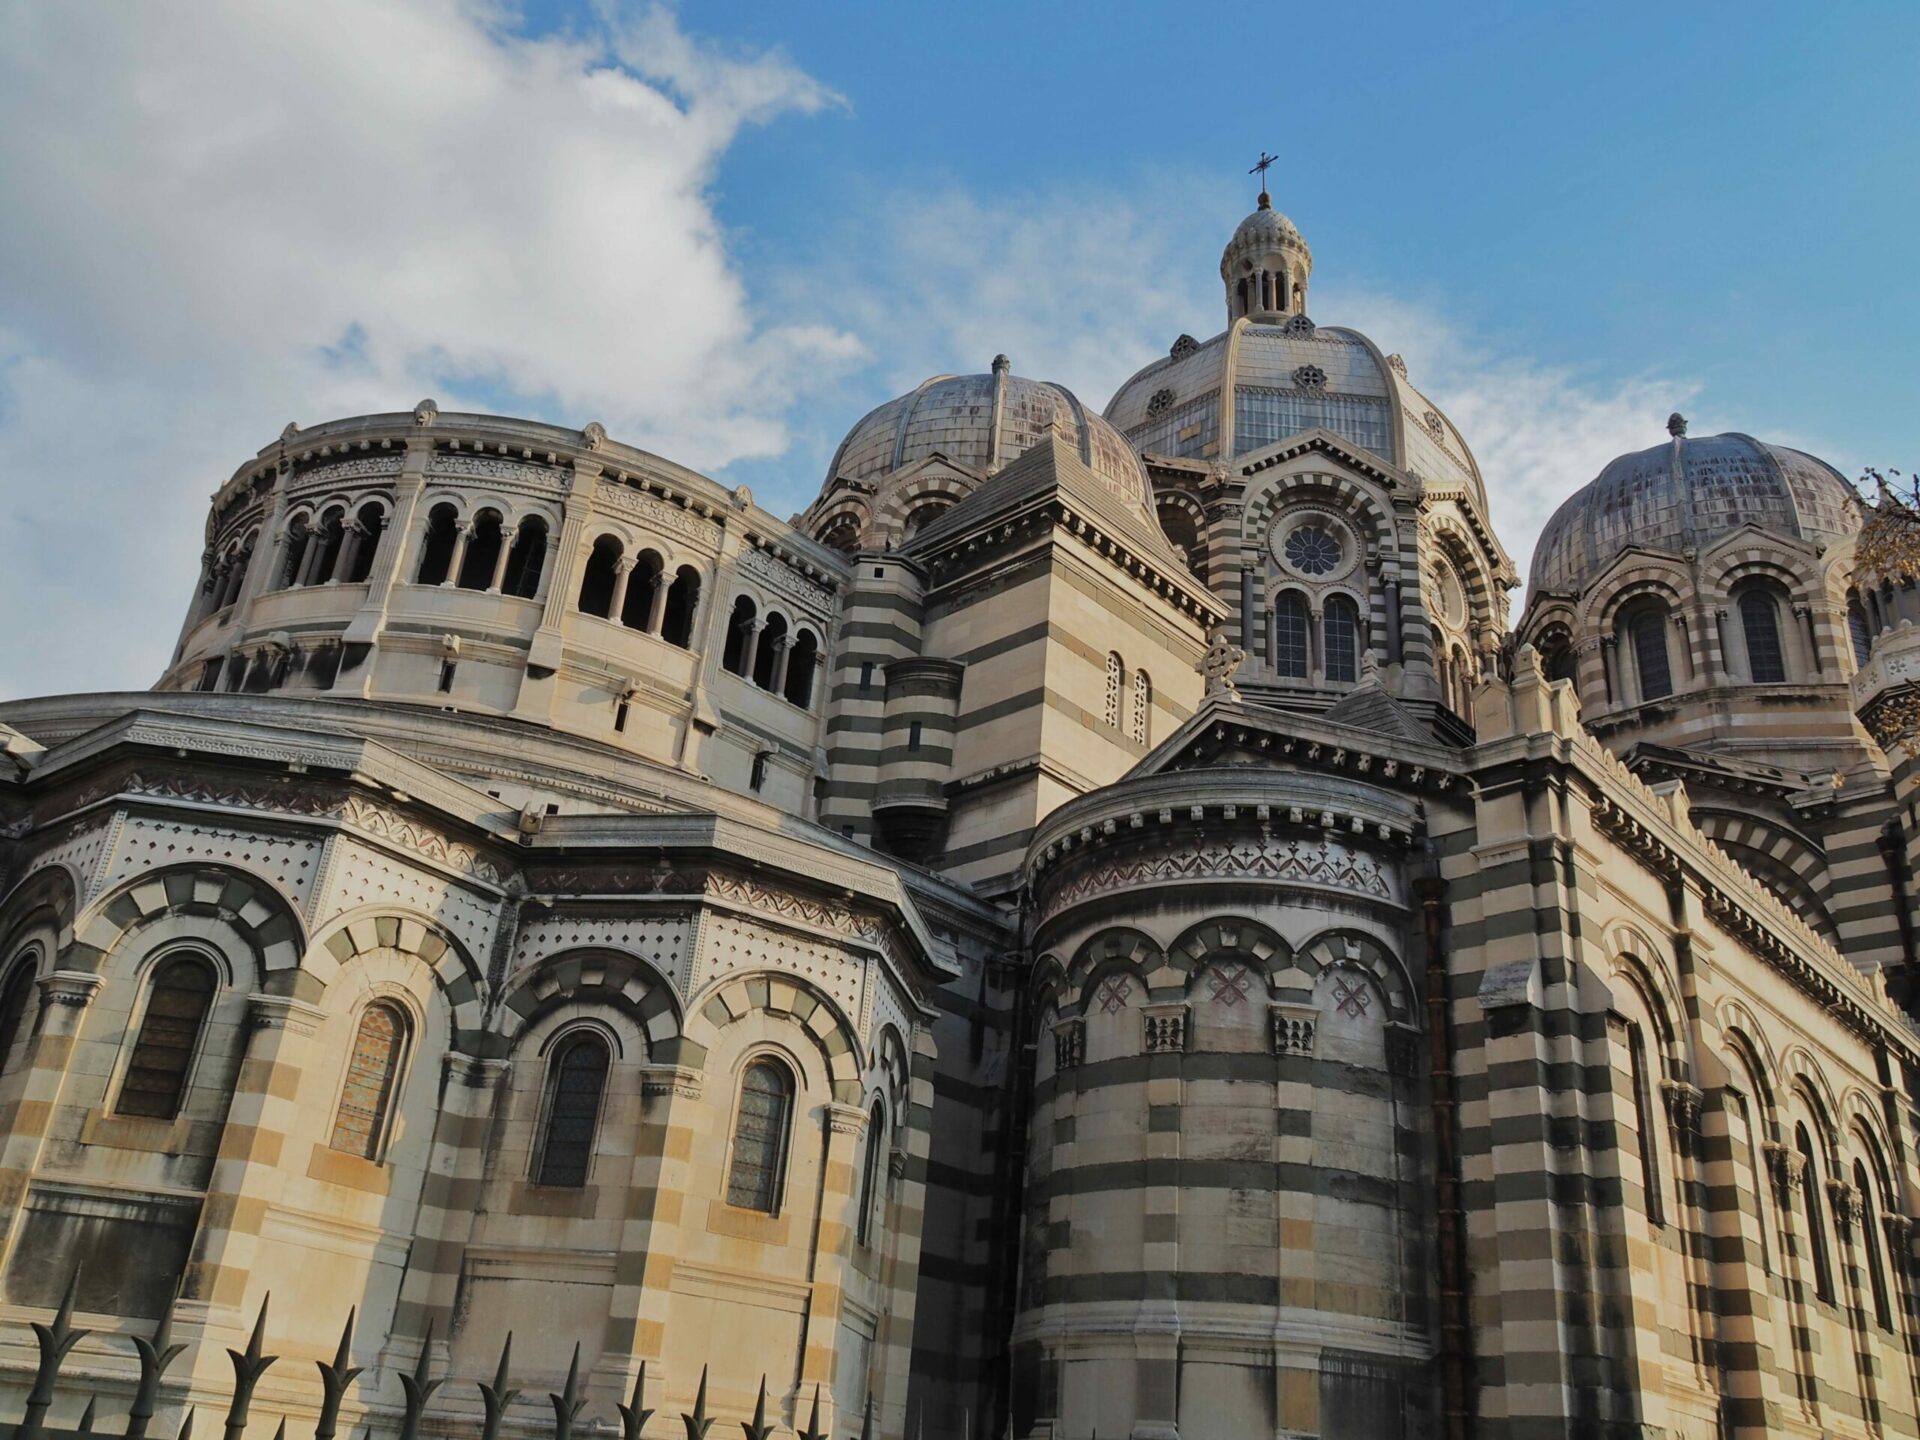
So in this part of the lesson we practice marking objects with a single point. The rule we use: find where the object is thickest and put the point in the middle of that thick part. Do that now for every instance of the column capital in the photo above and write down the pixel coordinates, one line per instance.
(69, 987)
(682, 1081)
(846, 1119)
(283, 1012)
(474, 1071)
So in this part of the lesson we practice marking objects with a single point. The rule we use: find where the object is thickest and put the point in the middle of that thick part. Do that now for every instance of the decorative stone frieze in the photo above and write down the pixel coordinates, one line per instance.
(1293, 1028)
(1166, 1028)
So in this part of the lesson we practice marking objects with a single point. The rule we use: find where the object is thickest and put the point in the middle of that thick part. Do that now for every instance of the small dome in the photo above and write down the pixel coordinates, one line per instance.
(1265, 229)
(1685, 495)
(981, 423)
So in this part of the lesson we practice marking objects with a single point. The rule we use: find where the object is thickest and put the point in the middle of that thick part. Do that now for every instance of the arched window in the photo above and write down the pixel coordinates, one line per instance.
(1461, 684)
(483, 552)
(1179, 526)
(1647, 634)
(1142, 706)
(1340, 627)
(1858, 630)
(766, 660)
(642, 586)
(800, 667)
(1760, 622)
(361, 1123)
(437, 553)
(1560, 663)
(366, 542)
(299, 536)
(923, 515)
(1810, 1187)
(1626, 1037)
(527, 560)
(841, 533)
(872, 1173)
(1870, 1241)
(683, 599)
(1290, 636)
(14, 1000)
(597, 580)
(577, 1081)
(177, 1005)
(739, 637)
(760, 1137)
(1116, 681)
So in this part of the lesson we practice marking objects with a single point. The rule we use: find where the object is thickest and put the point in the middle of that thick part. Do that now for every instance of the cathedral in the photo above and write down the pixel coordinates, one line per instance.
(1103, 924)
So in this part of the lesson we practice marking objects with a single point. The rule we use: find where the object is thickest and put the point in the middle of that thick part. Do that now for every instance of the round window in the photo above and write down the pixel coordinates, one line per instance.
(1313, 550)
(1450, 593)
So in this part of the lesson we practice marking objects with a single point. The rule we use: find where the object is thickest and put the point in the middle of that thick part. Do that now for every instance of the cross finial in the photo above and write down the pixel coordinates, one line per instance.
(1266, 163)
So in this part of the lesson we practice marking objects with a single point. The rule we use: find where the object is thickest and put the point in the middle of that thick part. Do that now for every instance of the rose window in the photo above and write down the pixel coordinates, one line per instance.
(1312, 551)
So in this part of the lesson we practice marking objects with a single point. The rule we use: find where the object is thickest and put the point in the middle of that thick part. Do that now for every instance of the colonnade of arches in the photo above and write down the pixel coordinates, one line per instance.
(482, 554)
(774, 653)
(637, 592)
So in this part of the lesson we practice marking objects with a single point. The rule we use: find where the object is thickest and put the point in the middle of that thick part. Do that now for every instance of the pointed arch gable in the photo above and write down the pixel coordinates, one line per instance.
(264, 917)
(590, 977)
(1229, 935)
(832, 1032)
(49, 896)
(363, 932)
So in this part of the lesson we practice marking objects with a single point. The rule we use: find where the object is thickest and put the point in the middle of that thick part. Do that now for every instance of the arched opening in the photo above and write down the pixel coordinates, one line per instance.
(766, 662)
(333, 535)
(800, 668)
(1815, 1215)
(527, 560)
(923, 515)
(642, 588)
(1142, 707)
(15, 1000)
(1290, 635)
(299, 537)
(1858, 630)
(436, 555)
(1870, 1241)
(872, 1173)
(739, 636)
(178, 999)
(1559, 663)
(841, 533)
(362, 1121)
(483, 552)
(760, 1137)
(598, 578)
(1180, 528)
(368, 525)
(683, 600)
(1760, 626)
(1116, 687)
(1644, 629)
(577, 1080)
(1340, 627)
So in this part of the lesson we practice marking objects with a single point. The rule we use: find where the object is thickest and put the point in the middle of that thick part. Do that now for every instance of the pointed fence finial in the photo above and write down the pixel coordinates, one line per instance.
(568, 1404)
(633, 1415)
(247, 1370)
(497, 1396)
(758, 1428)
(280, 1430)
(186, 1426)
(866, 1424)
(86, 1415)
(813, 1430)
(155, 1356)
(55, 1341)
(419, 1388)
(698, 1423)
(334, 1380)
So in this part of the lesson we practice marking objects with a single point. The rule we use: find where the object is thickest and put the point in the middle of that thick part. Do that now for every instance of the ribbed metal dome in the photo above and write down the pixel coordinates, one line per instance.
(1685, 495)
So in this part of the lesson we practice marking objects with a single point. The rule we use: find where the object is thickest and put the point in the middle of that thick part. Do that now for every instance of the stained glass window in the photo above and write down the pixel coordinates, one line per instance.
(1312, 551)
(760, 1138)
(1765, 662)
(1290, 636)
(177, 1006)
(373, 1070)
(579, 1074)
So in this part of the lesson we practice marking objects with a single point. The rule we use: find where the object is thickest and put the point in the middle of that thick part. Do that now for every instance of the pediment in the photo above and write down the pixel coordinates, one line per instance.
(1323, 442)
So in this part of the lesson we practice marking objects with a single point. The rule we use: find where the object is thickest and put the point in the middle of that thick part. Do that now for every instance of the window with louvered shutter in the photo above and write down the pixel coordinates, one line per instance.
(373, 1070)
(573, 1110)
(760, 1138)
(177, 1005)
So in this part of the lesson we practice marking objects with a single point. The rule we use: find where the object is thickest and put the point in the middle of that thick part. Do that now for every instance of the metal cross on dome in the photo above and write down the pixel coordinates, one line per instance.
(1266, 163)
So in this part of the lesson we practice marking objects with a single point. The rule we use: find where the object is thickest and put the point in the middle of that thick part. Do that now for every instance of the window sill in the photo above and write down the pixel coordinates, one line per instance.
(561, 1201)
(349, 1172)
(135, 1132)
(739, 1224)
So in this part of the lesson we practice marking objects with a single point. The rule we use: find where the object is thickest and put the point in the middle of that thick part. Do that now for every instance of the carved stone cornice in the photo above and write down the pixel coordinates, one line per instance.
(69, 987)
(283, 1012)
(475, 1072)
(681, 1081)
(846, 1119)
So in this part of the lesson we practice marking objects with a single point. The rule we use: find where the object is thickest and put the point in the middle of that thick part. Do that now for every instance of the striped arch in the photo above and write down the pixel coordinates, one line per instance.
(1449, 534)
(593, 977)
(894, 508)
(1861, 1123)
(1641, 574)
(1358, 503)
(1643, 970)
(455, 973)
(1229, 935)
(251, 904)
(1355, 950)
(1755, 552)
(784, 996)
(1122, 946)
(1787, 863)
(49, 897)
(1800, 1071)
(847, 508)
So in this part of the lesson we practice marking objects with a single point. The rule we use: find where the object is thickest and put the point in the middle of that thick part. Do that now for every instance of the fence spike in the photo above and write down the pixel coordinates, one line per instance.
(334, 1380)
(86, 1415)
(866, 1425)
(55, 1341)
(247, 1370)
(568, 1404)
(813, 1430)
(497, 1396)
(633, 1419)
(419, 1388)
(280, 1430)
(155, 1356)
(186, 1426)
(759, 1429)
(697, 1423)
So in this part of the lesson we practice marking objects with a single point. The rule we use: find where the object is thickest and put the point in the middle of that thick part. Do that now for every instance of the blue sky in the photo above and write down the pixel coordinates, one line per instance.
(727, 230)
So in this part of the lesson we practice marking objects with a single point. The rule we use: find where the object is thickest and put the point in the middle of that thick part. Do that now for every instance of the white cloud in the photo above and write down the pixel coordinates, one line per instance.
(242, 214)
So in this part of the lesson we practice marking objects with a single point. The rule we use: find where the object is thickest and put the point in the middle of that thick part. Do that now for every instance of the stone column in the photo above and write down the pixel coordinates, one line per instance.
(352, 535)
(622, 578)
(1393, 620)
(752, 651)
(390, 558)
(905, 1218)
(507, 542)
(780, 660)
(30, 1096)
(1609, 646)
(462, 537)
(1722, 670)
(557, 588)
(657, 609)
(547, 567)
(832, 1254)
(1805, 613)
